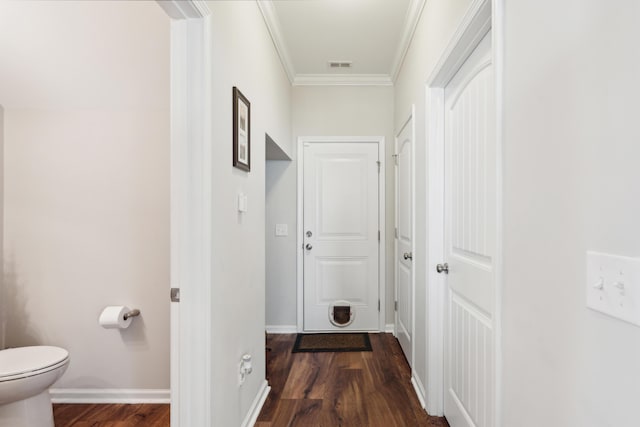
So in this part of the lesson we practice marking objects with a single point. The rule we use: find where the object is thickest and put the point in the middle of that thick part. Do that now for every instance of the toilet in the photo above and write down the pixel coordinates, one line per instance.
(26, 373)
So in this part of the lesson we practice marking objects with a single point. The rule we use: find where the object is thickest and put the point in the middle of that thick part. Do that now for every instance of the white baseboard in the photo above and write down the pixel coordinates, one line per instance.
(420, 390)
(256, 406)
(282, 329)
(109, 395)
(390, 328)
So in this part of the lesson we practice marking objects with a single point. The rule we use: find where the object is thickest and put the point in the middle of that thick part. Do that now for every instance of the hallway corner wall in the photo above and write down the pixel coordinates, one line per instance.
(243, 55)
(281, 290)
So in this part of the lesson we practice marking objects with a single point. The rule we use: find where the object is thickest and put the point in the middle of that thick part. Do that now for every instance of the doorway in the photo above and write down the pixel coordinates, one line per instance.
(404, 235)
(340, 234)
(86, 171)
(470, 240)
(191, 196)
(464, 225)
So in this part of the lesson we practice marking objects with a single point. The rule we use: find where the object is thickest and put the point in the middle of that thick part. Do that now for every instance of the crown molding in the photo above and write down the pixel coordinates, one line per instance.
(412, 18)
(342, 80)
(273, 25)
(410, 24)
(181, 9)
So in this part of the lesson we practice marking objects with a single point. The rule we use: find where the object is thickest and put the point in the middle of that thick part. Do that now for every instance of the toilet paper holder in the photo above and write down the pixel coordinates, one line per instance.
(133, 313)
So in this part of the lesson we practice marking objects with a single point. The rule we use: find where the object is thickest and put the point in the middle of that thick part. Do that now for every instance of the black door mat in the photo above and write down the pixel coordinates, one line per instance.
(316, 343)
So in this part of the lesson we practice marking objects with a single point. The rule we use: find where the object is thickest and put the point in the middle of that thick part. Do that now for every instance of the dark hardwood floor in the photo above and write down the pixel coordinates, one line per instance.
(66, 415)
(367, 389)
(341, 389)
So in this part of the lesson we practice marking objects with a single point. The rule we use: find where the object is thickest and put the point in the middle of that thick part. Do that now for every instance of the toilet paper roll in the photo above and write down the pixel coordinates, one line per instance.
(112, 317)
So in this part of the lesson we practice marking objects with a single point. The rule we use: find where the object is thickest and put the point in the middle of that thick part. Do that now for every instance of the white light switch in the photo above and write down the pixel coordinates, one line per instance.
(282, 230)
(613, 286)
(242, 202)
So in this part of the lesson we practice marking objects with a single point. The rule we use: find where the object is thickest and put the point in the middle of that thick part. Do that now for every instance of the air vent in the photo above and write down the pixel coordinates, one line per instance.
(340, 64)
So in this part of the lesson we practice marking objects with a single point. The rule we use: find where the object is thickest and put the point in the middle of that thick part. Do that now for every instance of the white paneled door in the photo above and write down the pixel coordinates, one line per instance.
(470, 241)
(340, 226)
(404, 239)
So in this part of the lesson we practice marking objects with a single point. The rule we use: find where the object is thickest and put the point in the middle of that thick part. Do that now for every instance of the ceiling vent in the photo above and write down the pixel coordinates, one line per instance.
(340, 64)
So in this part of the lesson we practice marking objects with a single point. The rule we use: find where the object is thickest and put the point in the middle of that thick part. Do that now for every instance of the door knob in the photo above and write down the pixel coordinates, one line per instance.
(442, 268)
(308, 247)
(408, 255)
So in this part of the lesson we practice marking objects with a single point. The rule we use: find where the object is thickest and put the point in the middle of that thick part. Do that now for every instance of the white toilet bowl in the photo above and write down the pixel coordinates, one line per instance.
(26, 373)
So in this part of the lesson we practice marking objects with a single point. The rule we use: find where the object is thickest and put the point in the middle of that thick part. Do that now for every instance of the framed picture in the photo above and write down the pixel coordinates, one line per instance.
(241, 131)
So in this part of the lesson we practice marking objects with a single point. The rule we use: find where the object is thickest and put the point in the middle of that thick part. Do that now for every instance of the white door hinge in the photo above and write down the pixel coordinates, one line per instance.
(378, 305)
(396, 231)
(378, 235)
(379, 165)
(395, 305)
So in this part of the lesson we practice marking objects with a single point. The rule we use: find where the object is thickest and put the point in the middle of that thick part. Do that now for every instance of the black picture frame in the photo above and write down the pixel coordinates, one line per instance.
(241, 131)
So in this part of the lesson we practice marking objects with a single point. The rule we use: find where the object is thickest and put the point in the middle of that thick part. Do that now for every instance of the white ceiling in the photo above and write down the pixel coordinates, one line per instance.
(372, 34)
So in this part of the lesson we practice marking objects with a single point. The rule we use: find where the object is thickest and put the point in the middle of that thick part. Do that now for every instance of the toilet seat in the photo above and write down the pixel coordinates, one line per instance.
(22, 362)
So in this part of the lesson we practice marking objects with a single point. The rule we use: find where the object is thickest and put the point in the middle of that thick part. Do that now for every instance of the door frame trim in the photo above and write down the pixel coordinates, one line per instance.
(481, 16)
(380, 140)
(412, 117)
(190, 206)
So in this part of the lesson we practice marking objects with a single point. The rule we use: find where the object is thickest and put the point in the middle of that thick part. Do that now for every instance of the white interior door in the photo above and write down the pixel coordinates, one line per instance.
(470, 241)
(404, 239)
(340, 226)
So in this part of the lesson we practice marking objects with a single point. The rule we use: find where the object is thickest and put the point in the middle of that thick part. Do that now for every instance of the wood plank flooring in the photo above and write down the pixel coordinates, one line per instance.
(67, 415)
(369, 389)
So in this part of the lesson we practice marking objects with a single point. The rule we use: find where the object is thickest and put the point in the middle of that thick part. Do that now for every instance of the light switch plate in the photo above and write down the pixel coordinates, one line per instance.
(282, 230)
(613, 286)
(242, 202)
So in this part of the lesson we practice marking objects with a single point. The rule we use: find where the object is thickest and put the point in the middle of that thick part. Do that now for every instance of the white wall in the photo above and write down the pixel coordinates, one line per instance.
(571, 185)
(86, 185)
(243, 56)
(2, 312)
(322, 111)
(437, 24)
(281, 251)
